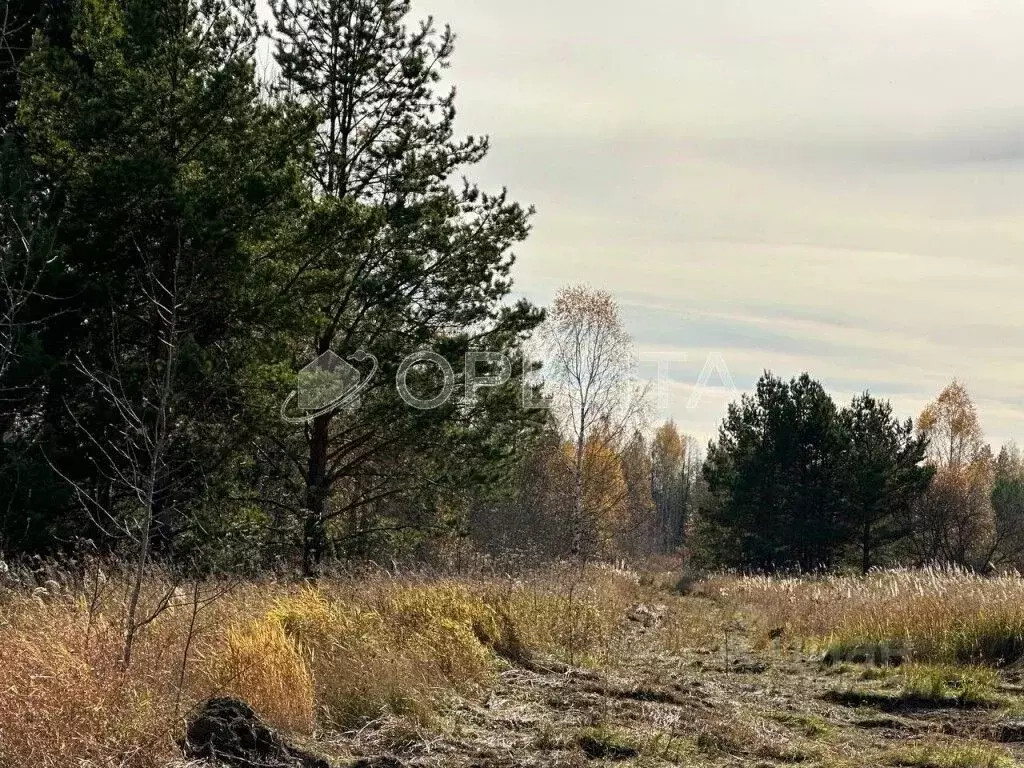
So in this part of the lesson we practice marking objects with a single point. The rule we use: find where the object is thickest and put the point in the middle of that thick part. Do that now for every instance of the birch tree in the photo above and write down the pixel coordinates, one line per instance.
(955, 521)
(589, 359)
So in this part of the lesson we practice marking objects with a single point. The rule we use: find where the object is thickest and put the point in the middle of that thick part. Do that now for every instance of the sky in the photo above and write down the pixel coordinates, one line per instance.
(831, 186)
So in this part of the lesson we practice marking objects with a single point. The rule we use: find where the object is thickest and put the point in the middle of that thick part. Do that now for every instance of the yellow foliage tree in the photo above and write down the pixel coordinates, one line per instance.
(589, 362)
(954, 521)
(640, 534)
(668, 460)
(604, 501)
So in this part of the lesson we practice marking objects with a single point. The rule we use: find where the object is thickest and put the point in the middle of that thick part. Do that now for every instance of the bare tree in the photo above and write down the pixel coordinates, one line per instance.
(133, 458)
(589, 363)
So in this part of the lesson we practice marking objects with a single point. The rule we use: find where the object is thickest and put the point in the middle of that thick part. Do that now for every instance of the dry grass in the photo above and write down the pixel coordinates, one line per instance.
(63, 697)
(755, 737)
(259, 663)
(308, 659)
(319, 660)
(393, 647)
(937, 615)
(952, 755)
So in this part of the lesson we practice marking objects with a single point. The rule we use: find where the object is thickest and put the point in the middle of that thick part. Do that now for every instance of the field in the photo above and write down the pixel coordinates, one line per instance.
(556, 668)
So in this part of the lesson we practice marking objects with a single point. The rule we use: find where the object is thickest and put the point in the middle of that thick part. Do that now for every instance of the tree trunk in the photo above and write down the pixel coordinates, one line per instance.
(576, 544)
(313, 533)
(866, 549)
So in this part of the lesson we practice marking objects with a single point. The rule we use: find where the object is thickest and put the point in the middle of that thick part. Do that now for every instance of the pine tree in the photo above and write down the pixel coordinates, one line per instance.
(775, 479)
(398, 255)
(887, 474)
(170, 168)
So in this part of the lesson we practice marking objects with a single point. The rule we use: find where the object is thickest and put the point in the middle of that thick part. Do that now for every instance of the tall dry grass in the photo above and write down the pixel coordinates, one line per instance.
(937, 614)
(308, 658)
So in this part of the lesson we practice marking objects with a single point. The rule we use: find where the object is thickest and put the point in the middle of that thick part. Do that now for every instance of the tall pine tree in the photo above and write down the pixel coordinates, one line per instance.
(399, 254)
(170, 168)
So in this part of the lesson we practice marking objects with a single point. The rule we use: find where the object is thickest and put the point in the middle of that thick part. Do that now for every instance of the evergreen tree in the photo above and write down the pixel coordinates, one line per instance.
(397, 255)
(1008, 505)
(887, 474)
(19, 22)
(775, 479)
(30, 266)
(170, 167)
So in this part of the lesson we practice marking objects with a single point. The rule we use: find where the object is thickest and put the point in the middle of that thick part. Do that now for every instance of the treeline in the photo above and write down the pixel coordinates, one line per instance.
(796, 482)
(634, 502)
(793, 482)
(184, 230)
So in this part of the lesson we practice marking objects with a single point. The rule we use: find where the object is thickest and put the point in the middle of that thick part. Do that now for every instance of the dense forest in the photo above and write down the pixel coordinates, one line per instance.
(185, 226)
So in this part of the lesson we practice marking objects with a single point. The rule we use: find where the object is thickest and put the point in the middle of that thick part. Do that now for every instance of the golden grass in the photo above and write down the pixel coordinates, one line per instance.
(398, 651)
(574, 620)
(306, 658)
(261, 665)
(936, 615)
(64, 701)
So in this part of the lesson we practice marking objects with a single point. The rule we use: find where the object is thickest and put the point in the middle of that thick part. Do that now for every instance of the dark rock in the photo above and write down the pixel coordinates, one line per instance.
(228, 732)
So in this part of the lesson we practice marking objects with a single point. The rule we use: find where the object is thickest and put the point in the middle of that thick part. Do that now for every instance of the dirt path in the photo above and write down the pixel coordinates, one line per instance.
(711, 701)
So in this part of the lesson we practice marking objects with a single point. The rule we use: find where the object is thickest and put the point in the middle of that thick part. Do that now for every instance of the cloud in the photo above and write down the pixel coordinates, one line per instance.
(831, 185)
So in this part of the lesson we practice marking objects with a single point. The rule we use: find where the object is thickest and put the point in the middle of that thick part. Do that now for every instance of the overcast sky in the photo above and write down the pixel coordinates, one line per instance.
(826, 185)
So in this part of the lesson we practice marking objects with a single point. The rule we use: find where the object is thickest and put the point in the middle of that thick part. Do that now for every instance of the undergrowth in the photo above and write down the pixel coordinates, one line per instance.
(308, 658)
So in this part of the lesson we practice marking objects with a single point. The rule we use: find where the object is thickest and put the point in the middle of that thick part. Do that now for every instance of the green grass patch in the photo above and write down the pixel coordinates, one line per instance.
(856, 650)
(924, 686)
(971, 685)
